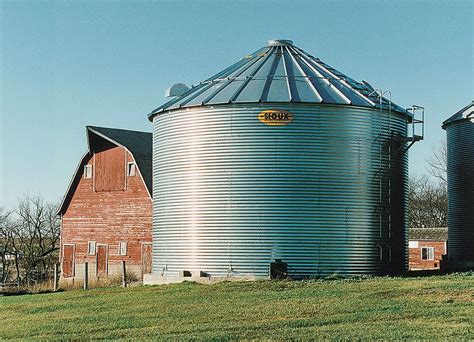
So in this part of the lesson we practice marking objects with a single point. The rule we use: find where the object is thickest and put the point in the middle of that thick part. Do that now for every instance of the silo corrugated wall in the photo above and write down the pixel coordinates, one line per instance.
(325, 193)
(460, 139)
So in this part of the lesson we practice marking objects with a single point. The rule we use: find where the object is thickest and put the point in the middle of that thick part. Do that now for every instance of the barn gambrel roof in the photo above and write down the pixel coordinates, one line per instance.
(139, 144)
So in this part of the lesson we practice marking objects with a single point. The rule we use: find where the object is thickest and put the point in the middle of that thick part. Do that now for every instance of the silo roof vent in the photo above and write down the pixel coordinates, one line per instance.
(279, 72)
(176, 89)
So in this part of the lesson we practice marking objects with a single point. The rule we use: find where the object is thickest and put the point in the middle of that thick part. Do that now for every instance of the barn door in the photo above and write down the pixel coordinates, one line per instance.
(68, 261)
(101, 260)
(147, 258)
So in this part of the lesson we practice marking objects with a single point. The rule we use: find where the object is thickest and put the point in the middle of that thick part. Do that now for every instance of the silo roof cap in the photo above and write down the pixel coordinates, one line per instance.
(466, 113)
(279, 42)
(280, 72)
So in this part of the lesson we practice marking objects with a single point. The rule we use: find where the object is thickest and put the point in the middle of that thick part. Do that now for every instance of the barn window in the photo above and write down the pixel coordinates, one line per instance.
(91, 248)
(122, 248)
(87, 171)
(427, 253)
(131, 169)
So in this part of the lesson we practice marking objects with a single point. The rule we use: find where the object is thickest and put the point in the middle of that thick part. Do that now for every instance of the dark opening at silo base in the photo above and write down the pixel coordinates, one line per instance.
(278, 269)
(448, 266)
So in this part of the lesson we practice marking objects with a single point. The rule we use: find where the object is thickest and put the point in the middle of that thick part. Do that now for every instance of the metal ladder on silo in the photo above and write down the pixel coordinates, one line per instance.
(382, 175)
(418, 115)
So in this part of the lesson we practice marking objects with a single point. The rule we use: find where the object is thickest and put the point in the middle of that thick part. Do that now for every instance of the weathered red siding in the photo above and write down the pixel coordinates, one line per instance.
(108, 217)
(110, 169)
(415, 260)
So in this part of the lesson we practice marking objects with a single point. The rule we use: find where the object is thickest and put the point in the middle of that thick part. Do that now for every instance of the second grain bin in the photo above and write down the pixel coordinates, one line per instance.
(460, 144)
(279, 165)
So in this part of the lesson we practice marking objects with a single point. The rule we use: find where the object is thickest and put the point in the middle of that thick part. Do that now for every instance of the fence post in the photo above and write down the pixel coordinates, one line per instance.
(124, 274)
(86, 275)
(56, 276)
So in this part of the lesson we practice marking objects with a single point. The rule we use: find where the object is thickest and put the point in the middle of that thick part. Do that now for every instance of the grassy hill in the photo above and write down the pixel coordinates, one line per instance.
(436, 307)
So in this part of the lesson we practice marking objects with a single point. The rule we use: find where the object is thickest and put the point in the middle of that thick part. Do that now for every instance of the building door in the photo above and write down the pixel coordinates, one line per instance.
(101, 260)
(68, 261)
(147, 249)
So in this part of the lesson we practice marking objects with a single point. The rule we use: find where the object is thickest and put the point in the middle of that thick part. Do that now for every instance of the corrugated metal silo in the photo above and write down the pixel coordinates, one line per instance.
(460, 139)
(279, 157)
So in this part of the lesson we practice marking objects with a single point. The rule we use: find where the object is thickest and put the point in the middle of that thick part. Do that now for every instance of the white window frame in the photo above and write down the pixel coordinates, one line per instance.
(87, 171)
(91, 251)
(430, 254)
(122, 248)
(131, 169)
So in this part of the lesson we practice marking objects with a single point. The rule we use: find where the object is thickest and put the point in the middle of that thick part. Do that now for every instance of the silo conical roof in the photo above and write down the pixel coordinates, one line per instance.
(280, 72)
(466, 113)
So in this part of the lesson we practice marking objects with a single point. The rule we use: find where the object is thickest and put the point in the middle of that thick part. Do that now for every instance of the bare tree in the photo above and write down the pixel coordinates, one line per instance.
(428, 203)
(9, 247)
(438, 163)
(39, 234)
(30, 237)
(5, 241)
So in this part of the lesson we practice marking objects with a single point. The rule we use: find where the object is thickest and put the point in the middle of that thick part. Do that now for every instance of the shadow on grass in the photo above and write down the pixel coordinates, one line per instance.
(13, 291)
(21, 292)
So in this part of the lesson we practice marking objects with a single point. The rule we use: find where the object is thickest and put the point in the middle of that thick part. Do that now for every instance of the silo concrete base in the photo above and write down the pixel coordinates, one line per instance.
(153, 279)
(456, 265)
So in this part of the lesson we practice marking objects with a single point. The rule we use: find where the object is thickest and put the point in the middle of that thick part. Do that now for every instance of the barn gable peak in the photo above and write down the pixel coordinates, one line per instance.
(137, 143)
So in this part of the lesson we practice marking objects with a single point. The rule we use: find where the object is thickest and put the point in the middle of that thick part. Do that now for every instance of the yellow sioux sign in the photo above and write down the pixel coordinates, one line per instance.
(275, 117)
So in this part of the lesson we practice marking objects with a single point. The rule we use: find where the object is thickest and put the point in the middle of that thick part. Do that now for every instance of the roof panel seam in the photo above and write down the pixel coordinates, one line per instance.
(308, 81)
(262, 60)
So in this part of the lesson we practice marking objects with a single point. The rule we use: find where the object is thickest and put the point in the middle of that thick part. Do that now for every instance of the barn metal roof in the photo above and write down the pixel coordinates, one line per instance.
(467, 113)
(279, 72)
(139, 144)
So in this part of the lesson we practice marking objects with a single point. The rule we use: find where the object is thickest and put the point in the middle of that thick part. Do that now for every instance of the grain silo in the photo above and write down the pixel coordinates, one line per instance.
(460, 152)
(279, 164)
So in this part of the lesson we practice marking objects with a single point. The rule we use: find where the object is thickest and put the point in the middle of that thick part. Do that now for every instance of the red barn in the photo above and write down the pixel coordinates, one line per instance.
(106, 214)
(426, 247)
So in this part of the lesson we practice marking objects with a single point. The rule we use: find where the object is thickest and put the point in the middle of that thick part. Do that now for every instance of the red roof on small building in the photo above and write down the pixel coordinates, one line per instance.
(435, 234)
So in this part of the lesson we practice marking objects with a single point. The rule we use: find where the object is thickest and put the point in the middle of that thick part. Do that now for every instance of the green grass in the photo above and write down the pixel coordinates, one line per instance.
(436, 307)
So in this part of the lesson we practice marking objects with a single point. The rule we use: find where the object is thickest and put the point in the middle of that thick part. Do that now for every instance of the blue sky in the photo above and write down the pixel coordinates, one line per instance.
(65, 65)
